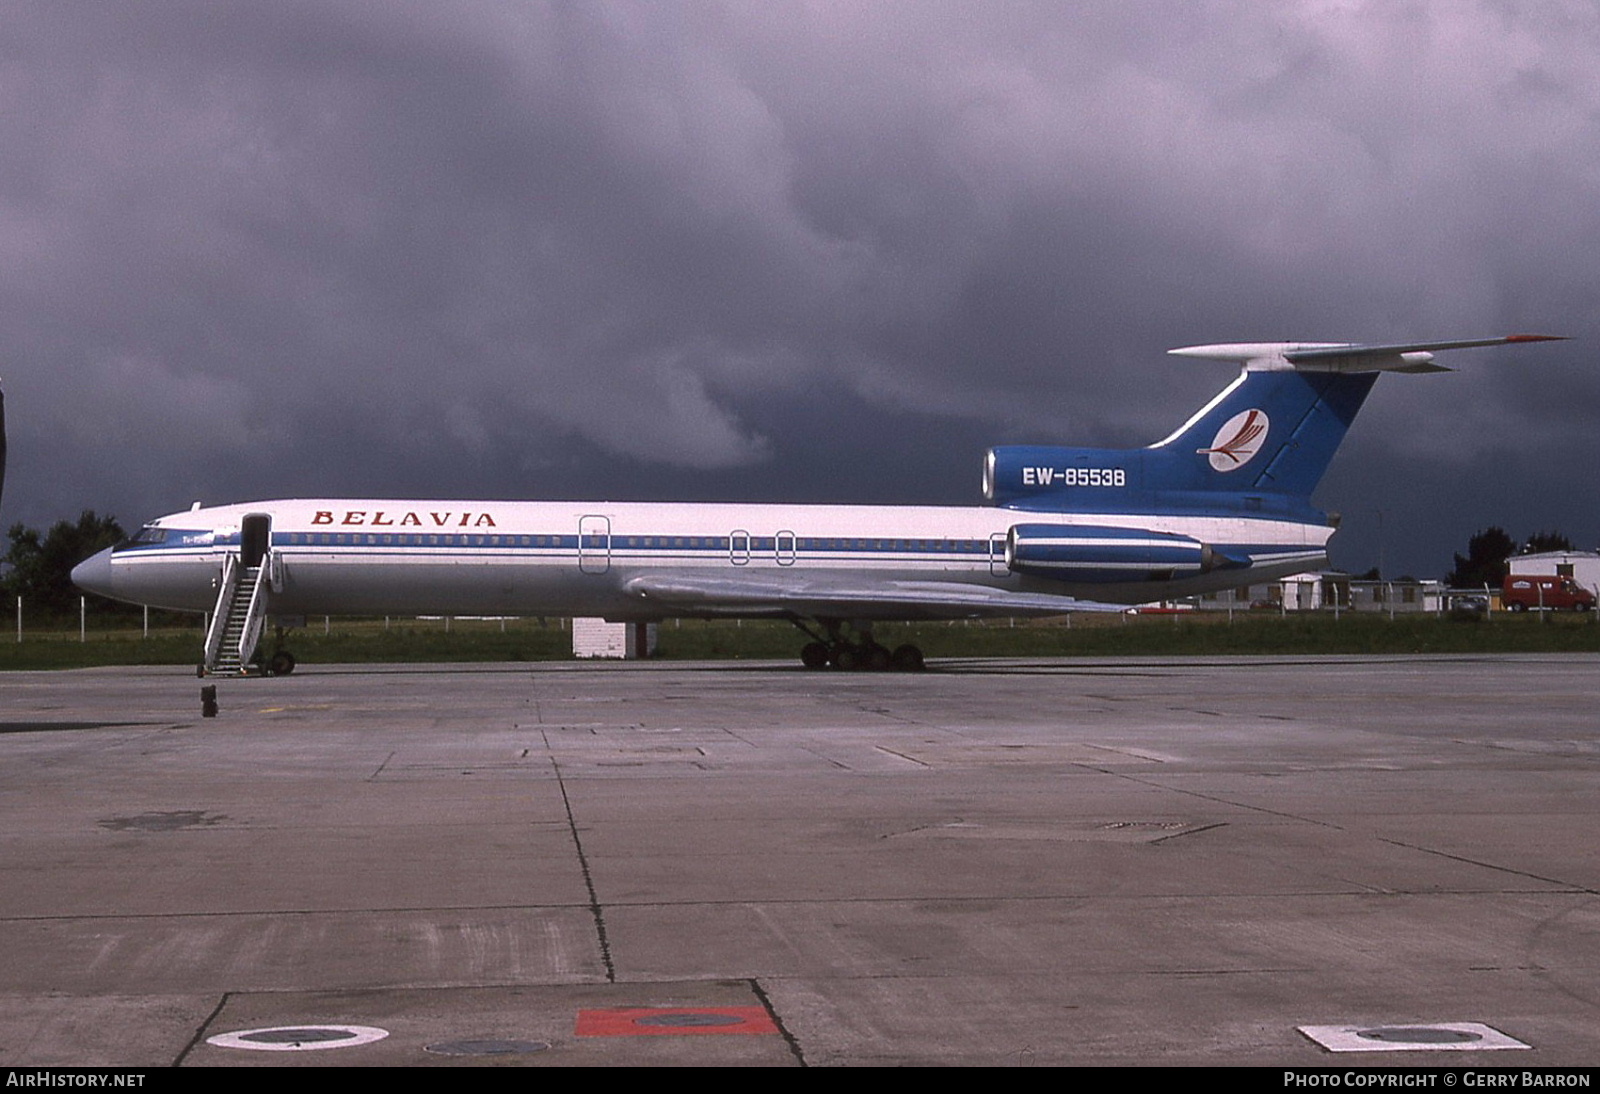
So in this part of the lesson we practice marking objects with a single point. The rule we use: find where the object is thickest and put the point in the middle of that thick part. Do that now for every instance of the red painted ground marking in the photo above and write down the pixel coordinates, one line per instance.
(673, 1021)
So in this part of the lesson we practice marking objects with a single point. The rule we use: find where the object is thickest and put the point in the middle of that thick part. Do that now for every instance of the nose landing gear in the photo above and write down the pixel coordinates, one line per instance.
(280, 662)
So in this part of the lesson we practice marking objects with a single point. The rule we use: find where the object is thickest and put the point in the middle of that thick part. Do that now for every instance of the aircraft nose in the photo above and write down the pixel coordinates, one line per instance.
(93, 574)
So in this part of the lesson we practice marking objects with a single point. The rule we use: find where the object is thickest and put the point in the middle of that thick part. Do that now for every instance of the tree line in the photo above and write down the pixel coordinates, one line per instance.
(38, 567)
(1487, 554)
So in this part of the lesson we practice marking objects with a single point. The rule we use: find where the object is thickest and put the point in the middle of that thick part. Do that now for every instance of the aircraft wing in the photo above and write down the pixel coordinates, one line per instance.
(853, 596)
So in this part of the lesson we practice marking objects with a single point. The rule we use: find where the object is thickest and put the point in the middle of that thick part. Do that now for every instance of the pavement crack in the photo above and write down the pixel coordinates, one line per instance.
(1214, 798)
(379, 771)
(901, 755)
(1189, 832)
(595, 909)
(1565, 885)
(200, 1030)
(826, 759)
(777, 1020)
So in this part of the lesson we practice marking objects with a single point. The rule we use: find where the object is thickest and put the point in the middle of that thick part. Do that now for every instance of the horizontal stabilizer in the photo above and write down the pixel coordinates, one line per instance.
(1346, 356)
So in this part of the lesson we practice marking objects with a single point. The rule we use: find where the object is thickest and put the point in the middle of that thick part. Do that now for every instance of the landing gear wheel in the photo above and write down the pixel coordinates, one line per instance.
(281, 663)
(832, 648)
(907, 658)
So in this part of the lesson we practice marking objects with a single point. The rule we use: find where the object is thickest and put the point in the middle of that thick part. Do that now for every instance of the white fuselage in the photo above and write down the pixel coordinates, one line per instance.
(372, 556)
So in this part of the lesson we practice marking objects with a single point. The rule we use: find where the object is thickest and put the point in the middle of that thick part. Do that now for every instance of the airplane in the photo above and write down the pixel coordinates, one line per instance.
(1223, 501)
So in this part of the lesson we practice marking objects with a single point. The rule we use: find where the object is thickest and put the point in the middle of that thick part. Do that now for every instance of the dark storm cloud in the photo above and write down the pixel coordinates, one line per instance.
(782, 250)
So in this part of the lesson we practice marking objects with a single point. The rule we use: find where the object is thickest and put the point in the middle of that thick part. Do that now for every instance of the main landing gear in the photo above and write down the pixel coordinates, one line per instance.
(834, 650)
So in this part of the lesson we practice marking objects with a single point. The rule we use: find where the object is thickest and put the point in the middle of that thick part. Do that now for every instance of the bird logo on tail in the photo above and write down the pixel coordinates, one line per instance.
(1239, 439)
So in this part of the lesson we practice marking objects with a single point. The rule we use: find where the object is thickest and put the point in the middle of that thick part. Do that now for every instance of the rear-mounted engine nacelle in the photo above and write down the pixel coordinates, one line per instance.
(1089, 553)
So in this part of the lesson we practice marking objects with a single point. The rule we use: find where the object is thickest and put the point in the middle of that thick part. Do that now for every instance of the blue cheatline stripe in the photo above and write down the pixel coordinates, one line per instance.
(619, 544)
(690, 547)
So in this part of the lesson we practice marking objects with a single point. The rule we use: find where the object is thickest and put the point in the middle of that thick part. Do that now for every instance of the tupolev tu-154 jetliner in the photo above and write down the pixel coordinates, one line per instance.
(1225, 500)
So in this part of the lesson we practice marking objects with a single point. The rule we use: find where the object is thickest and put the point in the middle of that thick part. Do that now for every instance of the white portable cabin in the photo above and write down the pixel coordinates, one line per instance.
(595, 638)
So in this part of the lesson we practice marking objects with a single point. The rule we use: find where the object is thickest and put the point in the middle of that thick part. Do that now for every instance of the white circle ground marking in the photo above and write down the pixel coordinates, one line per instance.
(298, 1038)
(1412, 1037)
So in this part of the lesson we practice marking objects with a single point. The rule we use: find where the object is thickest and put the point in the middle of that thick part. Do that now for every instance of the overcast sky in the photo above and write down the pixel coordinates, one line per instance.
(785, 251)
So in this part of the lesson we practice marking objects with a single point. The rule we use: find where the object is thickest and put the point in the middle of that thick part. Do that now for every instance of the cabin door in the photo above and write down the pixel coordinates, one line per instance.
(255, 537)
(594, 544)
(997, 555)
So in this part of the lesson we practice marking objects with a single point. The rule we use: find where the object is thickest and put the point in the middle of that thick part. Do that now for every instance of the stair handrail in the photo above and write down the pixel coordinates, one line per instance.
(219, 614)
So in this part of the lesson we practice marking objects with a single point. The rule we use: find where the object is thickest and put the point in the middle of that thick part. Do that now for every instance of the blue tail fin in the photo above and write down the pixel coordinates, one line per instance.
(1269, 431)
(1261, 445)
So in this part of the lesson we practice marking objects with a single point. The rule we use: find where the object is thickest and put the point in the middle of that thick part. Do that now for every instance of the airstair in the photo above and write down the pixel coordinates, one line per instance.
(238, 619)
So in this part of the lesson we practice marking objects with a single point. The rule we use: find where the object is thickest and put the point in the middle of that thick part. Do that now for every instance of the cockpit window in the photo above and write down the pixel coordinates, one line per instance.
(150, 533)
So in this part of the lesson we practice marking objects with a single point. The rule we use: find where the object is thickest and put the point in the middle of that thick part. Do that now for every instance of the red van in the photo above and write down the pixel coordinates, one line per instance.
(1524, 591)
